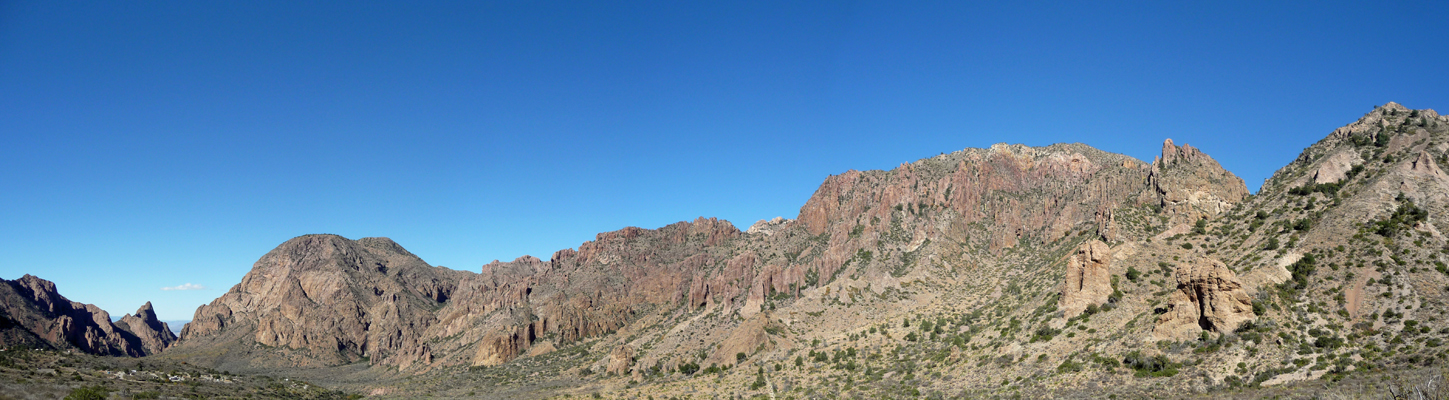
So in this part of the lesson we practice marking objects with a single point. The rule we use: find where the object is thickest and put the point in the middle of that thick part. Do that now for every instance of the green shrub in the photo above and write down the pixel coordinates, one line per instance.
(1302, 269)
(1043, 334)
(1154, 366)
(1069, 366)
(1402, 219)
(89, 393)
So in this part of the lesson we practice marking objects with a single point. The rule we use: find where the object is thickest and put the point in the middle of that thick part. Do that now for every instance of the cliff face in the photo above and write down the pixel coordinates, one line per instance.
(1088, 281)
(1012, 192)
(34, 314)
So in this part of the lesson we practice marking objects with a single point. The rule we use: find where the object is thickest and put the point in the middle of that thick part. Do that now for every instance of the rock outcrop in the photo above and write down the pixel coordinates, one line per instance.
(768, 227)
(1087, 281)
(34, 314)
(1423, 164)
(1335, 167)
(1208, 297)
(621, 360)
(747, 338)
(1189, 185)
(498, 348)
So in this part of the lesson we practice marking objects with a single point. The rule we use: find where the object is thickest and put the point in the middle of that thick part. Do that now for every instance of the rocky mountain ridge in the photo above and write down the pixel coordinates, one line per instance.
(33, 314)
(870, 231)
(1006, 271)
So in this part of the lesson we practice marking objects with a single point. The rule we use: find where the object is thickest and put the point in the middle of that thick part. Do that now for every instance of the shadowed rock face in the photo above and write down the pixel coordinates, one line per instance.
(154, 335)
(34, 314)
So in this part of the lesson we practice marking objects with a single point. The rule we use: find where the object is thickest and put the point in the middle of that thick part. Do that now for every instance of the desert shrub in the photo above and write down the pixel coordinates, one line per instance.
(1301, 270)
(1044, 333)
(89, 393)
(1402, 219)
(1154, 366)
(1069, 366)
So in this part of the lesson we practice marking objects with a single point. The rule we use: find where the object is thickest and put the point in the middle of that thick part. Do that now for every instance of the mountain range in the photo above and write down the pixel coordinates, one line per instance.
(1005, 271)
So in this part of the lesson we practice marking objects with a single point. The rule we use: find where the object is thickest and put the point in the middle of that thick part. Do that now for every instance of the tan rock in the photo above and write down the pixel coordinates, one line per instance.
(768, 227)
(1208, 297)
(745, 338)
(621, 360)
(497, 348)
(1087, 281)
(1335, 167)
(337, 300)
(1424, 164)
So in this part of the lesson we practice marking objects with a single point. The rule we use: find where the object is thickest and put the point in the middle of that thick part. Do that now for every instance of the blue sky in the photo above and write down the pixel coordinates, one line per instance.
(155, 144)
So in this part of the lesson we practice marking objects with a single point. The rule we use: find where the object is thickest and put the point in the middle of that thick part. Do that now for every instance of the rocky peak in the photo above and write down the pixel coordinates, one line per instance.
(1389, 114)
(154, 335)
(1173, 154)
(332, 300)
(1190, 185)
(146, 312)
(383, 244)
(40, 291)
(768, 227)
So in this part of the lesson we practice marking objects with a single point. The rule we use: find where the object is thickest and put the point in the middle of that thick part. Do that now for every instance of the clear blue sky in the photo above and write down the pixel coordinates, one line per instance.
(152, 144)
